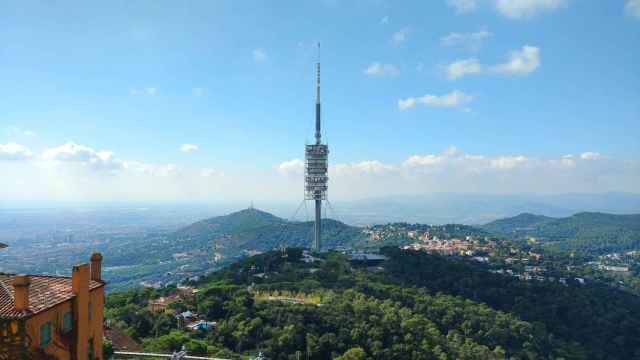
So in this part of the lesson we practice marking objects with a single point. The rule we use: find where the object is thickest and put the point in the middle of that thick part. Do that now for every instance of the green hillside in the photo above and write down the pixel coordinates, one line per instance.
(253, 229)
(587, 231)
(420, 307)
(520, 223)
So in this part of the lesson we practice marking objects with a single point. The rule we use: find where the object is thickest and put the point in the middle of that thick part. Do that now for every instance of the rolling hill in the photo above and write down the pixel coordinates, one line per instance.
(253, 229)
(587, 231)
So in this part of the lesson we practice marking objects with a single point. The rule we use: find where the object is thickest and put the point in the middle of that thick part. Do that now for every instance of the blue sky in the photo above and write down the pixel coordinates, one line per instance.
(418, 96)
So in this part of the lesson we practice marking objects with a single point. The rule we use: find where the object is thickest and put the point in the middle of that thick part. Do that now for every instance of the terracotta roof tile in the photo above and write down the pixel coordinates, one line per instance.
(45, 292)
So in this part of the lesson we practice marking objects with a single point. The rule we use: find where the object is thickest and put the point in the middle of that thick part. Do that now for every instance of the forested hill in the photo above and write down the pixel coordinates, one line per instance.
(419, 307)
(253, 229)
(588, 231)
(519, 223)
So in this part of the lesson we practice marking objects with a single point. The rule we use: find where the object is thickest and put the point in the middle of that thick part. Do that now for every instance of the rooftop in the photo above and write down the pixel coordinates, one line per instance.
(45, 292)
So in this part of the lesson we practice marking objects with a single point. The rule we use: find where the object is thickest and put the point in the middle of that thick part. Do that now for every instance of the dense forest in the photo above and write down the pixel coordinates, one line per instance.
(420, 307)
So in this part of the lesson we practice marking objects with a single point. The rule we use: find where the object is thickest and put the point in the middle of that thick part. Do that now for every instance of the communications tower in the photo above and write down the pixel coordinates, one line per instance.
(316, 177)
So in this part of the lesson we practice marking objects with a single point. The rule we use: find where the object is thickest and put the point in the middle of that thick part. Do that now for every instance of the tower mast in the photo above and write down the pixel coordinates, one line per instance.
(318, 223)
(316, 168)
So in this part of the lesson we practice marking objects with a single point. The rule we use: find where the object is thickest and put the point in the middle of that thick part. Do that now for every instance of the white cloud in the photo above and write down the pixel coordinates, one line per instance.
(472, 41)
(461, 68)
(400, 36)
(423, 160)
(259, 55)
(81, 173)
(291, 167)
(408, 103)
(378, 69)
(518, 9)
(188, 148)
(521, 62)
(84, 155)
(508, 162)
(463, 6)
(589, 155)
(568, 160)
(70, 152)
(384, 20)
(632, 7)
(453, 99)
(14, 152)
(362, 168)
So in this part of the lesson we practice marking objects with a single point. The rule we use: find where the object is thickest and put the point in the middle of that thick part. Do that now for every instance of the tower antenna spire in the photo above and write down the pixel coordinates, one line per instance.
(318, 129)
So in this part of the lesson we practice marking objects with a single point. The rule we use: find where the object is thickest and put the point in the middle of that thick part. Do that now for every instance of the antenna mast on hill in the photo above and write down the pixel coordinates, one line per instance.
(316, 168)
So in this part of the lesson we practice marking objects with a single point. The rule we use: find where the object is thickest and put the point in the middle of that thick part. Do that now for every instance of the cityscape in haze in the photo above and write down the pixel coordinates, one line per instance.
(167, 188)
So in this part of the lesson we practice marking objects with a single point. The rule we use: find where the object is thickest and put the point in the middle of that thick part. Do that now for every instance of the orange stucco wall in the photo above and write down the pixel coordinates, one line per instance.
(63, 346)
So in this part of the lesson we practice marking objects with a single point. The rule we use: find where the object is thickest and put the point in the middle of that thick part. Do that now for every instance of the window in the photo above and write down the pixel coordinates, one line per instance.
(45, 334)
(67, 322)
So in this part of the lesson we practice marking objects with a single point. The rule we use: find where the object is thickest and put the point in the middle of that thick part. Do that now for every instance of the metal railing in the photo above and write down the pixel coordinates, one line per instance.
(168, 356)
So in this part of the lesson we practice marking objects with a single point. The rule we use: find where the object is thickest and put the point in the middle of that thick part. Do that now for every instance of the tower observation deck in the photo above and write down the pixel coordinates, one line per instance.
(316, 177)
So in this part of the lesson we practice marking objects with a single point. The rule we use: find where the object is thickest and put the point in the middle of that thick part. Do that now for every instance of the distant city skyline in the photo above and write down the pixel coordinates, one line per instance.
(212, 101)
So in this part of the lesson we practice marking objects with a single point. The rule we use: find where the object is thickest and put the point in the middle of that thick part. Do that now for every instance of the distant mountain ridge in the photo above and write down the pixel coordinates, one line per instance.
(519, 222)
(588, 231)
(470, 209)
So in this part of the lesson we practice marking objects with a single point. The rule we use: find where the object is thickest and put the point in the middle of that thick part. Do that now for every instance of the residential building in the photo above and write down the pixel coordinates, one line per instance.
(53, 317)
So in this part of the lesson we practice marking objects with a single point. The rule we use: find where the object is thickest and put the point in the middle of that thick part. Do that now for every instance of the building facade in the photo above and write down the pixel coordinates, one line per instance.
(53, 317)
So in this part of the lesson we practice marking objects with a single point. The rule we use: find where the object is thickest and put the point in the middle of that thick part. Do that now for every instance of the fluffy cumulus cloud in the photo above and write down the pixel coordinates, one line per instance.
(83, 155)
(14, 152)
(472, 41)
(454, 170)
(259, 55)
(590, 155)
(363, 167)
(463, 6)
(188, 148)
(632, 7)
(460, 68)
(77, 172)
(291, 167)
(519, 9)
(455, 159)
(519, 62)
(454, 99)
(400, 36)
(378, 69)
